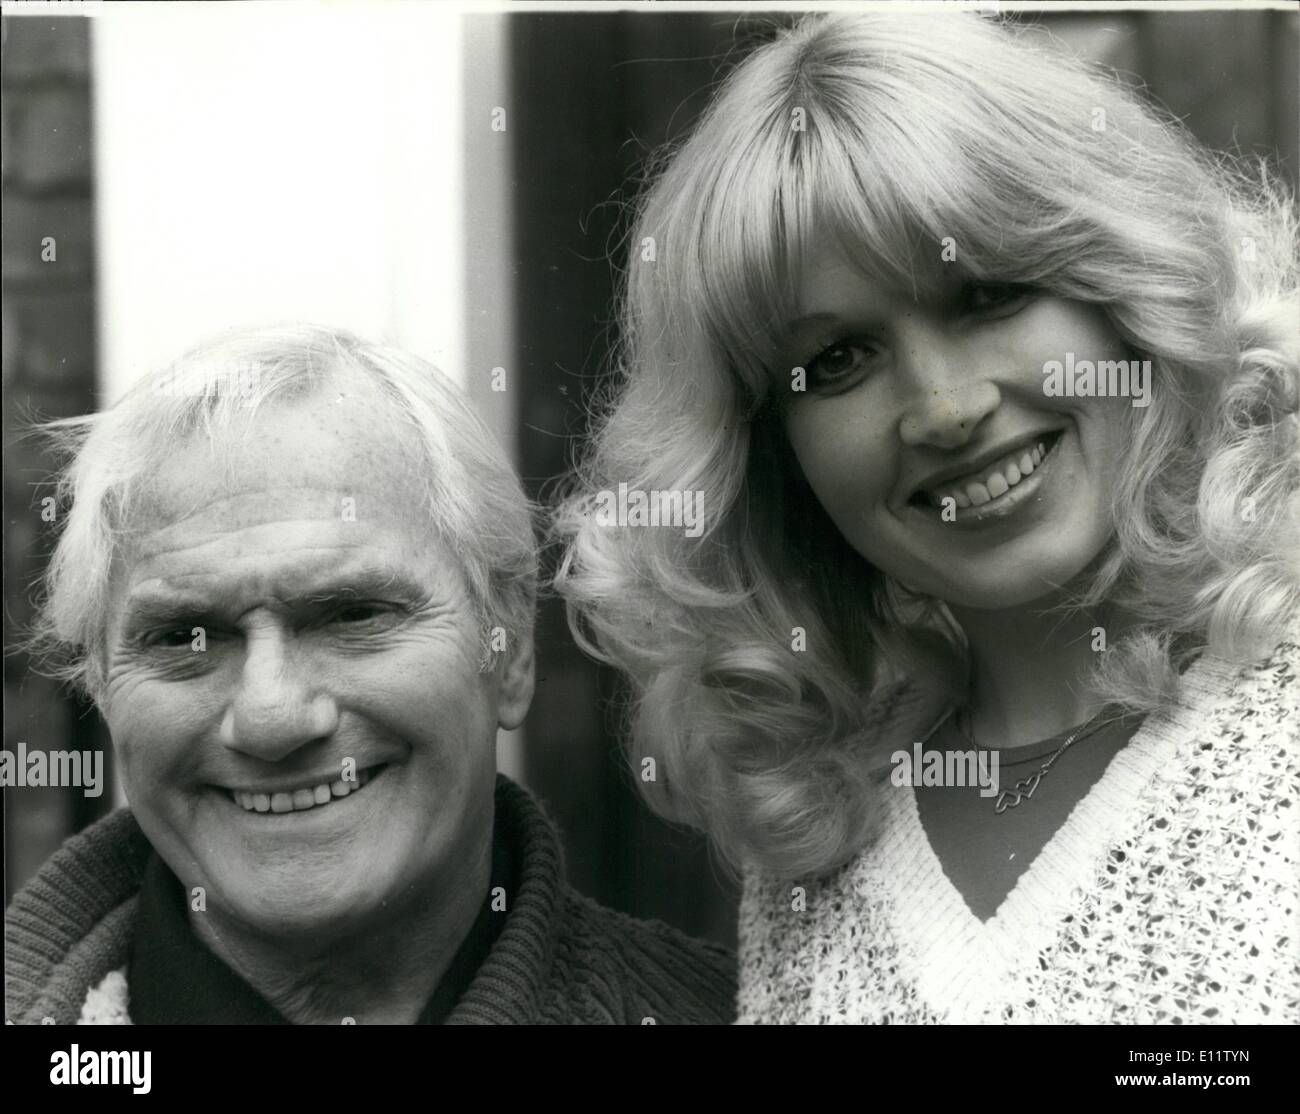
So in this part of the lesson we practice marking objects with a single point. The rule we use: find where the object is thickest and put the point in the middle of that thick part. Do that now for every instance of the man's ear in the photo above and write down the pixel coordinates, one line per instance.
(515, 684)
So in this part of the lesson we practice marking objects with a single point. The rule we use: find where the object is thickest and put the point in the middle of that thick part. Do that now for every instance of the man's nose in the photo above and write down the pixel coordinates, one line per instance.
(278, 706)
(946, 392)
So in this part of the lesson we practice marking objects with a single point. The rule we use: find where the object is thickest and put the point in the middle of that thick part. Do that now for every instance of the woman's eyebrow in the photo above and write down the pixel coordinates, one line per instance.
(790, 340)
(819, 318)
(809, 325)
(943, 291)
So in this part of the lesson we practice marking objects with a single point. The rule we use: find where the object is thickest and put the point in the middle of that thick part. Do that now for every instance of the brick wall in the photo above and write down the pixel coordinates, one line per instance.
(48, 371)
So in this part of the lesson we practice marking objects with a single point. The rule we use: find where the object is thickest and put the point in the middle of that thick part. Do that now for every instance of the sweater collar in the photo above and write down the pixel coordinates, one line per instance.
(173, 978)
(510, 985)
(72, 924)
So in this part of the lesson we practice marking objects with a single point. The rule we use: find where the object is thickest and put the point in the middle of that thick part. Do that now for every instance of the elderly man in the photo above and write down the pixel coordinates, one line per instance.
(297, 577)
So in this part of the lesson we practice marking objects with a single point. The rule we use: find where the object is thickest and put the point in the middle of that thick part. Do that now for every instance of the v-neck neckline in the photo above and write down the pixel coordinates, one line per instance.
(962, 963)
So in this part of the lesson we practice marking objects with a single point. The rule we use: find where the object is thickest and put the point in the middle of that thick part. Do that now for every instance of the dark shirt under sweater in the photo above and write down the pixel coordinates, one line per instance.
(175, 979)
(983, 852)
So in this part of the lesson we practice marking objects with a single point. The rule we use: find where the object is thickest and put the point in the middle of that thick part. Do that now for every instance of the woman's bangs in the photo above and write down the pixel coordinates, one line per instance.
(792, 203)
(861, 213)
(914, 210)
(905, 207)
(747, 282)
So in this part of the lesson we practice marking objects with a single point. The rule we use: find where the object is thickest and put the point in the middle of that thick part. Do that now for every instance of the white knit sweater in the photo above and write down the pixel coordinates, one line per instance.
(1170, 894)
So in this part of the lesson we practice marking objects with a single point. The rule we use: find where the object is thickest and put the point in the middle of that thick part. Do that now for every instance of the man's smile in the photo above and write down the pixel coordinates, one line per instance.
(309, 792)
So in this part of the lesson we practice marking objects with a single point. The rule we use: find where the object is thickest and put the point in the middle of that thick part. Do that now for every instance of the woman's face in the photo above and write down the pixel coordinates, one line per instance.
(926, 433)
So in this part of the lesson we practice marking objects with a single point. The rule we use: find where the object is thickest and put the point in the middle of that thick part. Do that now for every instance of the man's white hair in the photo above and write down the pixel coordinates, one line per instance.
(472, 495)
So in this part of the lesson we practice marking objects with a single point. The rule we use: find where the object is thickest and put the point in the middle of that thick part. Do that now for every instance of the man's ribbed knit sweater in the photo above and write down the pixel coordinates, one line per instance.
(560, 958)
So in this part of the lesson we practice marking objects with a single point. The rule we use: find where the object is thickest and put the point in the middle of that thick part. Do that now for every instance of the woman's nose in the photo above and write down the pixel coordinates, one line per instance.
(947, 394)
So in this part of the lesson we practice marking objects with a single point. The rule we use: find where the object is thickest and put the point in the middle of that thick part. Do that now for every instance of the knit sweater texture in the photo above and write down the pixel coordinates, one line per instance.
(560, 958)
(1171, 894)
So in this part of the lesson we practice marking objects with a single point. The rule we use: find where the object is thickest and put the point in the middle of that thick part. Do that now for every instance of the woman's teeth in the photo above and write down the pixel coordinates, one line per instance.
(995, 481)
(300, 799)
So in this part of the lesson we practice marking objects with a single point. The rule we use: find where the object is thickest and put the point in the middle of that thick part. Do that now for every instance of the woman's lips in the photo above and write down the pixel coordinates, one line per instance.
(994, 481)
(997, 491)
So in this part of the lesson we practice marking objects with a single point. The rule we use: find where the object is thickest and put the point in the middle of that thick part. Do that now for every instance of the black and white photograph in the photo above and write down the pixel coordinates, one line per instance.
(654, 514)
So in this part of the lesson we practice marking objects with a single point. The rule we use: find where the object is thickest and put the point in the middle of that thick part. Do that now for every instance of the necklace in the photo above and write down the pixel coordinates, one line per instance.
(1024, 788)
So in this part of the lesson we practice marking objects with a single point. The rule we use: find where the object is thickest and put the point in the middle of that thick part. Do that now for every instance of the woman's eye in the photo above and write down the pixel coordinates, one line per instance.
(995, 299)
(838, 363)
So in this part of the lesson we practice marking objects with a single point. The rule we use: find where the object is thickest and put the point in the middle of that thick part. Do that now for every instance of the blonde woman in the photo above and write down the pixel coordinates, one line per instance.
(985, 379)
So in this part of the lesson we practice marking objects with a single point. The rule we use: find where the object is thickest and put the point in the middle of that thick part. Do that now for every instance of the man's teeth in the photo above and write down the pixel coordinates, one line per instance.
(300, 799)
(996, 480)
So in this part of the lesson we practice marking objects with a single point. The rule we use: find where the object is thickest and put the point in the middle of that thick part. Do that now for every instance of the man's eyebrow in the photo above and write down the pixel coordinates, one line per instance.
(362, 585)
(160, 606)
(160, 601)
(145, 612)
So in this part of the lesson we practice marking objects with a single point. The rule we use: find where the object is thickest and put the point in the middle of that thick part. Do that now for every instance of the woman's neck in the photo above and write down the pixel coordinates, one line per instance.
(1029, 669)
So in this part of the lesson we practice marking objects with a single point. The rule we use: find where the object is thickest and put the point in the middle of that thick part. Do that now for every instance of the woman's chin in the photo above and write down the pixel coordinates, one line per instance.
(1019, 585)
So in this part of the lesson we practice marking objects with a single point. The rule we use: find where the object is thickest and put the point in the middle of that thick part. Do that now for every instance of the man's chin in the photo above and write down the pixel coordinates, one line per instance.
(295, 886)
(290, 911)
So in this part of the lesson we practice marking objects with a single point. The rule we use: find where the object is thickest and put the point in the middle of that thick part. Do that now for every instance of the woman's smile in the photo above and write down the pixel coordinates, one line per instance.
(988, 495)
(937, 454)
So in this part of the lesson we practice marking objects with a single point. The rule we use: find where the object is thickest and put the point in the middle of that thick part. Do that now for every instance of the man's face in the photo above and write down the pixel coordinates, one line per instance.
(324, 749)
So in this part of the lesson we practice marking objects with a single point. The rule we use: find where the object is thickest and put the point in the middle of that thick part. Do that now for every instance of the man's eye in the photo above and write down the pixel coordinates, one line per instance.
(359, 613)
(837, 364)
(171, 638)
(995, 299)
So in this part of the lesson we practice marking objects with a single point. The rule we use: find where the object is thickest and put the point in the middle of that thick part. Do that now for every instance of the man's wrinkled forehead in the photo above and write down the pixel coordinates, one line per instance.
(343, 441)
(331, 476)
(306, 584)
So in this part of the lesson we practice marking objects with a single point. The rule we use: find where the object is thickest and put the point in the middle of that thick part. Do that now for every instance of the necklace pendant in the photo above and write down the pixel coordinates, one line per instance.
(1023, 789)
